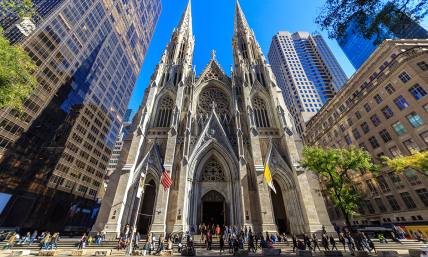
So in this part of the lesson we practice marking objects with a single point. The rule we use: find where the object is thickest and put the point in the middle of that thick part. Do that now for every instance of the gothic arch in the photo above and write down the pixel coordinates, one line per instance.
(163, 110)
(261, 111)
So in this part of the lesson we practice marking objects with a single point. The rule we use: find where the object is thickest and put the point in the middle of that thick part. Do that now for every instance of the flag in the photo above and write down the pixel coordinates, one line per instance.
(165, 179)
(269, 176)
(74, 210)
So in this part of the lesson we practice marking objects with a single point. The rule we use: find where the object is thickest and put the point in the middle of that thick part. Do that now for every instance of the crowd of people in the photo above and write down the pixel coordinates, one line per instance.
(45, 240)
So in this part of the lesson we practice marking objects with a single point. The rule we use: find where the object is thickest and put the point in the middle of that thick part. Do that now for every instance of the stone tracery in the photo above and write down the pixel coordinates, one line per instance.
(210, 95)
(212, 171)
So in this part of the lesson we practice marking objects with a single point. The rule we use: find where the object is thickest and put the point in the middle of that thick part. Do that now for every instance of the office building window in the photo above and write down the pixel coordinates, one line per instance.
(367, 107)
(398, 127)
(375, 119)
(396, 180)
(401, 102)
(371, 186)
(414, 119)
(423, 194)
(348, 139)
(350, 122)
(341, 144)
(417, 91)
(387, 112)
(370, 207)
(393, 202)
(382, 182)
(363, 146)
(411, 175)
(365, 127)
(408, 200)
(358, 114)
(395, 151)
(330, 138)
(411, 146)
(336, 133)
(377, 98)
(385, 136)
(380, 205)
(390, 89)
(404, 77)
(374, 142)
(357, 134)
(423, 66)
(424, 136)
(342, 127)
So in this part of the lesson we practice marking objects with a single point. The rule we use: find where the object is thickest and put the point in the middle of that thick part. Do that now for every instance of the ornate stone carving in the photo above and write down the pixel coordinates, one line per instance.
(212, 171)
(210, 95)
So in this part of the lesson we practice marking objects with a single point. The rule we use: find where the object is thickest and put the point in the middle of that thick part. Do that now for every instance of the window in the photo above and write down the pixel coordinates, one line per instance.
(408, 200)
(370, 207)
(350, 122)
(398, 127)
(363, 145)
(424, 136)
(342, 127)
(324, 142)
(348, 139)
(340, 144)
(423, 66)
(358, 115)
(336, 133)
(423, 194)
(374, 142)
(390, 89)
(411, 145)
(357, 134)
(382, 183)
(404, 77)
(411, 175)
(414, 119)
(164, 112)
(367, 107)
(375, 119)
(371, 186)
(387, 112)
(330, 138)
(365, 127)
(380, 204)
(401, 103)
(385, 136)
(417, 91)
(395, 151)
(393, 202)
(396, 180)
(377, 98)
(260, 112)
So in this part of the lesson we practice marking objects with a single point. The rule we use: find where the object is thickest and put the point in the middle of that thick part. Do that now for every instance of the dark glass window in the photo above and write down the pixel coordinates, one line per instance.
(414, 119)
(423, 66)
(404, 77)
(395, 151)
(377, 98)
(408, 200)
(382, 182)
(396, 180)
(423, 194)
(387, 112)
(367, 107)
(375, 119)
(348, 139)
(365, 127)
(342, 127)
(390, 89)
(385, 136)
(374, 142)
(370, 207)
(398, 127)
(401, 102)
(356, 133)
(380, 205)
(358, 115)
(417, 91)
(393, 202)
(350, 122)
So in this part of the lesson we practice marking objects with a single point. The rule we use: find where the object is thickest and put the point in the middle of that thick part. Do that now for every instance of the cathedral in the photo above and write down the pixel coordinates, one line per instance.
(213, 134)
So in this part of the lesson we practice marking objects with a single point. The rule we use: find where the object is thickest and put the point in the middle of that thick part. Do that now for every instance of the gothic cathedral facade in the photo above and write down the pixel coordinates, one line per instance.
(213, 135)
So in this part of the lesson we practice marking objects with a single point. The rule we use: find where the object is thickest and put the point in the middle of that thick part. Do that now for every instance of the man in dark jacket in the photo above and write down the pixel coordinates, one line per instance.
(294, 241)
(325, 242)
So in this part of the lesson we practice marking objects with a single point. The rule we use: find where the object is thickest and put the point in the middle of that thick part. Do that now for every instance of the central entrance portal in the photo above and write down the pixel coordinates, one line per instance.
(213, 208)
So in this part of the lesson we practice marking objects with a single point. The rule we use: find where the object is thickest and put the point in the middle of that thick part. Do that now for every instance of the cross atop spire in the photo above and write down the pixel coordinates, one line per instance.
(213, 54)
(240, 21)
(185, 23)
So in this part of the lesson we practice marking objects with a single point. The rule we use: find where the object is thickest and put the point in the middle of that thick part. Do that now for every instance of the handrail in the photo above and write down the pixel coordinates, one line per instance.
(110, 239)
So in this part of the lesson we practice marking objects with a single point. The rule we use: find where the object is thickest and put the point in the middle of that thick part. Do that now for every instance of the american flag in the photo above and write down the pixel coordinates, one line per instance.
(165, 179)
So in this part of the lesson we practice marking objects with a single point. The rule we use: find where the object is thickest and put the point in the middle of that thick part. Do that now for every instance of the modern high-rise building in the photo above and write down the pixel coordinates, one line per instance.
(306, 71)
(129, 114)
(117, 149)
(55, 154)
(358, 49)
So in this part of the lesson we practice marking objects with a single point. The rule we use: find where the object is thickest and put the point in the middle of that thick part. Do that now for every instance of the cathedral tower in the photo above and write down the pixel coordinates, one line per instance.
(213, 134)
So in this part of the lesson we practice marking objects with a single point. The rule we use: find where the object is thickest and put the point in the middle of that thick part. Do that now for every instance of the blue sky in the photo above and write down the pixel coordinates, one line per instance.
(213, 29)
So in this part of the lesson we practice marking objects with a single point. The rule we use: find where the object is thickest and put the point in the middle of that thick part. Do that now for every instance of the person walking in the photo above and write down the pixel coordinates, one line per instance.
(25, 238)
(342, 240)
(325, 242)
(350, 242)
(333, 243)
(401, 233)
(153, 241)
(307, 241)
(246, 233)
(251, 243)
(82, 241)
(365, 243)
(217, 231)
(10, 242)
(137, 240)
(33, 237)
(222, 245)
(53, 242)
(294, 238)
(209, 241)
(395, 239)
(382, 238)
(160, 244)
(371, 245)
(46, 241)
(315, 241)
(337, 231)
(192, 231)
(148, 246)
(324, 232)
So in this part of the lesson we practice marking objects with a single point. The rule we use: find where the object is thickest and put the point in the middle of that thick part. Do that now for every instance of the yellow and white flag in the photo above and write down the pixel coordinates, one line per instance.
(269, 176)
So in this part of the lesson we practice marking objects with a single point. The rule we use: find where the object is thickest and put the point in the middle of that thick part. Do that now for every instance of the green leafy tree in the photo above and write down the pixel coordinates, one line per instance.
(335, 167)
(17, 81)
(379, 19)
(418, 161)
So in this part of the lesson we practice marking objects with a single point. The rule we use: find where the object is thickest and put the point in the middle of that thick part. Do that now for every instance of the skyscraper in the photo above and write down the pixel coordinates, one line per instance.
(55, 154)
(306, 71)
(129, 114)
(358, 49)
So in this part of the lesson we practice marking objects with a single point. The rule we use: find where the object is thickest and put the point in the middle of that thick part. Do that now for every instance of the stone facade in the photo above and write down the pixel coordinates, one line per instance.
(383, 109)
(213, 135)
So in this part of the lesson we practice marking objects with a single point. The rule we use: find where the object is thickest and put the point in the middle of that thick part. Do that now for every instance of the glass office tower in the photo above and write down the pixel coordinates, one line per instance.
(306, 71)
(54, 155)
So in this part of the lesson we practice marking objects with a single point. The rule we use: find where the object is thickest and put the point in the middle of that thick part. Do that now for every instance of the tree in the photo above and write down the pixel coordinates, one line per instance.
(370, 18)
(417, 161)
(17, 81)
(335, 167)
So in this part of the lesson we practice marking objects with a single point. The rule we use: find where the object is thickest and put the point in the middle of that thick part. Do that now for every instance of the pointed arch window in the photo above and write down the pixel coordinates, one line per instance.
(260, 112)
(166, 106)
(181, 53)
(244, 51)
(212, 171)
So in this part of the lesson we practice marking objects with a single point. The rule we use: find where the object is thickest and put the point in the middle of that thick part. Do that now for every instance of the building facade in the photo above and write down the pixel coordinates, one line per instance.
(129, 114)
(306, 71)
(212, 134)
(55, 154)
(117, 149)
(358, 49)
(383, 108)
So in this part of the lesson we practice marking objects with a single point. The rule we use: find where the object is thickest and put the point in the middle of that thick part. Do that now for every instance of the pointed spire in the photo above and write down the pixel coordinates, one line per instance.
(240, 21)
(185, 23)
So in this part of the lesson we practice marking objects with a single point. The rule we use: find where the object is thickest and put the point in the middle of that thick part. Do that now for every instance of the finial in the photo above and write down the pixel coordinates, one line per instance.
(212, 54)
(214, 105)
(270, 139)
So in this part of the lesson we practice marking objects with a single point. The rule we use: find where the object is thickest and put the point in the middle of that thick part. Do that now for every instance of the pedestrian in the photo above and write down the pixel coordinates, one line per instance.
(217, 231)
(209, 241)
(137, 240)
(342, 240)
(46, 241)
(160, 244)
(325, 242)
(365, 243)
(324, 231)
(337, 230)
(81, 242)
(148, 246)
(25, 238)
(262, 243)
(371, 244)
(251, 247)
(192, 231)
(401, 233)
(333, 243)
(221, 245)
(10, 242)
(153, 241)
(246, 233)
(350, 242)
(284, 238)
(33, 237)
(307, 241)
(382, 238)
(294, 239)
(315, 241)
(273, 238)
(54, 241)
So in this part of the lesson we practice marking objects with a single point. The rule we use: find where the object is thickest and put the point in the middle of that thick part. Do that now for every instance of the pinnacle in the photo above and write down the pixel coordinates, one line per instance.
(186, 19)
(240, 21)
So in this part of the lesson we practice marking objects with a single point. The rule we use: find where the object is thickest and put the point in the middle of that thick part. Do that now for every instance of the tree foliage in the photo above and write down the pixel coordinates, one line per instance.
(417, 161)
(17, 81)
(378, 19)
(335, 167)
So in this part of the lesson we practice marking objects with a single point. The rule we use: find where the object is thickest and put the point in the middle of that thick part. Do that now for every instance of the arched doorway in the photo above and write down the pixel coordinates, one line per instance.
(147, 206)
(213, 208)
(279, 209)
